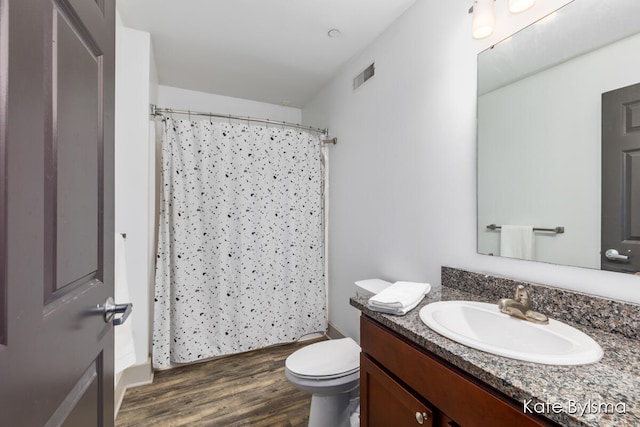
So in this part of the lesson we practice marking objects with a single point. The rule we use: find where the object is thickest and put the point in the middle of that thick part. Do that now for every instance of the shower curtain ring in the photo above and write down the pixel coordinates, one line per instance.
(210, 118)
(189, 113)
(248, 124)
(229, 118)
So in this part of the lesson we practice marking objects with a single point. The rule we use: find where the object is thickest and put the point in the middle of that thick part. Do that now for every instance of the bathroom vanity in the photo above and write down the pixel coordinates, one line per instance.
(410, 375)
(404, 385)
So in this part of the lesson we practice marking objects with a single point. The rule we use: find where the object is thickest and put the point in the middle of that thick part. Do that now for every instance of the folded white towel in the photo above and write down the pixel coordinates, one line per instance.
(399, 298)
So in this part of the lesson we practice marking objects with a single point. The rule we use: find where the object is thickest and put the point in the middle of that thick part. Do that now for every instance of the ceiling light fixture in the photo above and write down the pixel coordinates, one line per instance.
(333, 33)
(483, 21)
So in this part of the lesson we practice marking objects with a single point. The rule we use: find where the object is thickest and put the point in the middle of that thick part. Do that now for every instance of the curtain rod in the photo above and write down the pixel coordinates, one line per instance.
(156, 111)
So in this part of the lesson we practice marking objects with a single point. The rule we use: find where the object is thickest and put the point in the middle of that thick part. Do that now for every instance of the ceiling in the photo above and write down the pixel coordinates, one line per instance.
(275, 51)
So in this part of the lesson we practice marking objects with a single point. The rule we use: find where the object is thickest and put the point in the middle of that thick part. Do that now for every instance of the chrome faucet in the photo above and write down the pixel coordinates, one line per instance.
(520, 307)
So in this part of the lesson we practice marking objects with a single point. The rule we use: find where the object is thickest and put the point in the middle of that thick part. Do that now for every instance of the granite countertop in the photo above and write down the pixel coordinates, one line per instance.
(613, 381)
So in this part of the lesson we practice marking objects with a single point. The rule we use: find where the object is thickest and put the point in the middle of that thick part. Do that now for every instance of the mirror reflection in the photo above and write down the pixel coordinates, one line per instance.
(541, 133)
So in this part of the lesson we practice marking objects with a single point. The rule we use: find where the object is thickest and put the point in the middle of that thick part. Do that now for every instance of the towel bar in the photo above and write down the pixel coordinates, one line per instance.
(558, 230)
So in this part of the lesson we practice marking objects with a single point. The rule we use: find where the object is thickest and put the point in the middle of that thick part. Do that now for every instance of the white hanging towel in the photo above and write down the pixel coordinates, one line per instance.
(399, 298)
(517, 241)
(125, 352)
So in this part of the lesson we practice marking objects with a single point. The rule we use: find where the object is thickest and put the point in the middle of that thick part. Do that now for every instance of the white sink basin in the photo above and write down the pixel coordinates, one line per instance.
(482, 326)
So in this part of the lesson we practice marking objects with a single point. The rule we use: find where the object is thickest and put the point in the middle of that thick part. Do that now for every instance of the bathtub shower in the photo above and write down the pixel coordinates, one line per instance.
(240, 261)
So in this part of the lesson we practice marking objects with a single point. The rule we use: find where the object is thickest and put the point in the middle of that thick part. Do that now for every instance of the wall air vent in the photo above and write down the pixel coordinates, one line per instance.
(369, 72)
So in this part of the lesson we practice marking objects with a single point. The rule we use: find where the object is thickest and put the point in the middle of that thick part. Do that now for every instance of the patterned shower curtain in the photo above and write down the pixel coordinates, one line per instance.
(240, 247)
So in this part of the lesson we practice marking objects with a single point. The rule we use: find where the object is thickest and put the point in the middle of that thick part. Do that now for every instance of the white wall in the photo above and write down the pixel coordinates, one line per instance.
(183, 99)
(546, 172)
(403, 174)
(134, 174)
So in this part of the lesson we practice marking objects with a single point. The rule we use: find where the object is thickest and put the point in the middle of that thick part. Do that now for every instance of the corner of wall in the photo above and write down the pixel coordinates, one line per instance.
(133, 376)
(134, 179)
(153, 76)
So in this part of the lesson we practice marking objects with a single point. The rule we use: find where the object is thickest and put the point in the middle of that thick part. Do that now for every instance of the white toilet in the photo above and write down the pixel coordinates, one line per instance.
(330, 370)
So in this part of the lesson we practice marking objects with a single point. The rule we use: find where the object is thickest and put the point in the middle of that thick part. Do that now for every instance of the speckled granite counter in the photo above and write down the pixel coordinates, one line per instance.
(614, 380)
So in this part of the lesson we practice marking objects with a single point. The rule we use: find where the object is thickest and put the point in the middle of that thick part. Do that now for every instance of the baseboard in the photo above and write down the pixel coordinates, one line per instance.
(133, 376)
(334, 333)
(118, 394)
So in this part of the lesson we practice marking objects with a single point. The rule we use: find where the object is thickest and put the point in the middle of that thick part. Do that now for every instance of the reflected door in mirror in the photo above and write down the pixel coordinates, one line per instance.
(621, 180)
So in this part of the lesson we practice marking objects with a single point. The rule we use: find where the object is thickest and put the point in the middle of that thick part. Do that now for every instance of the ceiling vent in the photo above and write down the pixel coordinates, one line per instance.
(369, 72)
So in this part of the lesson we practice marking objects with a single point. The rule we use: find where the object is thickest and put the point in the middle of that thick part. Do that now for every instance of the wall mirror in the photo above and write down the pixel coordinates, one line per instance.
(540, 121)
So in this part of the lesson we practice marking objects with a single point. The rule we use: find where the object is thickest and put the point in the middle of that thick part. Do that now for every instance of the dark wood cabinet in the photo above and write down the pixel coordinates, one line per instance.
(388, 403)
(404, 385)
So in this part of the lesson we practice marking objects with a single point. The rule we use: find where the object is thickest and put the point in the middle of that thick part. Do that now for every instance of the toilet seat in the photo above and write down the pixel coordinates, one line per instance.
(325, 360)
(324, 377)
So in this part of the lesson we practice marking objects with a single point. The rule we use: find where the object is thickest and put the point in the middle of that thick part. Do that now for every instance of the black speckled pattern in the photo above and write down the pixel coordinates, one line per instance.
(240, 240)
(614, 379)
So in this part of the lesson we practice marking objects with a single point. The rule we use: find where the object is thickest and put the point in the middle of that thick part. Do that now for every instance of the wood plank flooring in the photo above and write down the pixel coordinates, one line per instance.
(247, 389)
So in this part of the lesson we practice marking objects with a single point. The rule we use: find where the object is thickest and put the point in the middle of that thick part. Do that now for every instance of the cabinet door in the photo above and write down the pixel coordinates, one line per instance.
(384, 402)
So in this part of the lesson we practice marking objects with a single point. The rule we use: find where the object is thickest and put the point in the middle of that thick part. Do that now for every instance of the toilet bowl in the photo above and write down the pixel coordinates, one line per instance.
(330, 371)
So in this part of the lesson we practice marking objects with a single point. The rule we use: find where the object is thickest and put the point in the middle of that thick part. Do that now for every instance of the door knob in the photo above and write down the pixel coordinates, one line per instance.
(613, 255)
(421, 417)
(110, 309)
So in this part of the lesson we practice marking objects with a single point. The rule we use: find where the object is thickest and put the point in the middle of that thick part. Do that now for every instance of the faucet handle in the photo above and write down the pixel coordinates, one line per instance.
(522, 296)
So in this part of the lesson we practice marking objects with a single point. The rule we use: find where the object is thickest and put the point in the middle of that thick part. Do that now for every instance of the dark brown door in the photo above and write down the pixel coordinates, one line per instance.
(620, 250)
(56, 211)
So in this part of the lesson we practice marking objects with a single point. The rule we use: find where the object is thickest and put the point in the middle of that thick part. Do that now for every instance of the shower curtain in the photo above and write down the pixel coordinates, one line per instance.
(241, 241)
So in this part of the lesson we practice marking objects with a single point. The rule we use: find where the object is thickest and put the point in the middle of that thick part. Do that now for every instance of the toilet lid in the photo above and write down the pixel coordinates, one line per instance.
(325, 359)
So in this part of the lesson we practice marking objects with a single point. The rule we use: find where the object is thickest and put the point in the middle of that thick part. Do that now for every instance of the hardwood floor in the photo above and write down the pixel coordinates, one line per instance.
(247, 389)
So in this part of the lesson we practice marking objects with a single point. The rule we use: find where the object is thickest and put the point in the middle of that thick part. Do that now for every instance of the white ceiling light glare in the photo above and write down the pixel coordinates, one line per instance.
(517, 6)
(333, 33)
(482, 22)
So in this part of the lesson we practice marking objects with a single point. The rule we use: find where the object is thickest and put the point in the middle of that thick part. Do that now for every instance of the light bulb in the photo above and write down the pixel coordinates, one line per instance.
(517, 6)
(482, 21)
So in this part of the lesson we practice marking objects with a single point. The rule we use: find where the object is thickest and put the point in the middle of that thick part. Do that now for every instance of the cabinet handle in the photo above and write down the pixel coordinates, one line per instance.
(421, 417)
